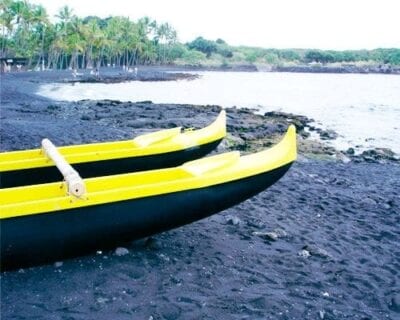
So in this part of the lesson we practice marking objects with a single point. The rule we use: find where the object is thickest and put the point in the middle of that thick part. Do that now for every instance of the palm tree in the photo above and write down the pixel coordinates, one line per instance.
(6, 19)
(21, 12)
(113, 34)
(147, 33)
(93, 35)
(64, 15)
(172, 37)
(165, 37)
(40, 17)
(76, 42)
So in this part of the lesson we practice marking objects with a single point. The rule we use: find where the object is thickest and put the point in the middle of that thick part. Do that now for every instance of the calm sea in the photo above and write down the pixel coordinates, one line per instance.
(364, 109)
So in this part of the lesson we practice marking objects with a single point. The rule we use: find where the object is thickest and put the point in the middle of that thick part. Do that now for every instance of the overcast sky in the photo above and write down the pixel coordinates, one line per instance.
(324, 24)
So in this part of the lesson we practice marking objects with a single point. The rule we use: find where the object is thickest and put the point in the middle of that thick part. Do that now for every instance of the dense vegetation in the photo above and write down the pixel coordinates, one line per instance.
(74, 42)
(79, 43)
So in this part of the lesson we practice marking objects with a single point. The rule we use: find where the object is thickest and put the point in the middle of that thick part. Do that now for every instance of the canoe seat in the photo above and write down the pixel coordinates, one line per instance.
(211, 164)
(156, 137)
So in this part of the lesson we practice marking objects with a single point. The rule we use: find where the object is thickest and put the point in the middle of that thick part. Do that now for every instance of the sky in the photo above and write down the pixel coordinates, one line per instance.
(321, 24)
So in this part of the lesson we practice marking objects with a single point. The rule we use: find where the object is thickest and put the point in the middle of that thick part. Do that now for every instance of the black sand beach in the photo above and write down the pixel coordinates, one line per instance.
(322, 243)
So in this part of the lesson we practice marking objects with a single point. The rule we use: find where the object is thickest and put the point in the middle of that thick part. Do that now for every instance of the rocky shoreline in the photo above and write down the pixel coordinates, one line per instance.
(111, 76)
(316, 68)
(322, 243)
(377, 69)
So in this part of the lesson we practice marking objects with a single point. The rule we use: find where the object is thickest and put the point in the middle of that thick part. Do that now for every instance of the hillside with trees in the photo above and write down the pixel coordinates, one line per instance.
(92, 42)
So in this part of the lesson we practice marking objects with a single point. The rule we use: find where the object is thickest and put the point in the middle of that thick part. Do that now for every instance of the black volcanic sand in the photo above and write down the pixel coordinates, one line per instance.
(322, 243)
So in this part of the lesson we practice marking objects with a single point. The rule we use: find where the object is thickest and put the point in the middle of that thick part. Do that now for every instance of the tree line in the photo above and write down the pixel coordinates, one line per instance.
(26, 31)
(297, 56)
(92, 42)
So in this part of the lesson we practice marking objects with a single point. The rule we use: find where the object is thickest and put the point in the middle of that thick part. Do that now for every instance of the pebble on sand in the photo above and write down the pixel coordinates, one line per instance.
(304, 253)
(102, 300)
(233, 220)
(316, 251)
(271, 235)
(120, 251)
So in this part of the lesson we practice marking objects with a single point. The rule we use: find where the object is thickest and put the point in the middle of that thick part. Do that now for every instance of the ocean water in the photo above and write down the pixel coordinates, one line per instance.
(364, 109)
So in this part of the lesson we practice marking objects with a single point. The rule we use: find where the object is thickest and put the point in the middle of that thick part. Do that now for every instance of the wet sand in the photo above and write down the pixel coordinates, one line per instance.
(322, 243)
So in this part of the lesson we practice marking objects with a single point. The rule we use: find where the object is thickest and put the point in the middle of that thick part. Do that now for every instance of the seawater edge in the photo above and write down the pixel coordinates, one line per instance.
(362, 109)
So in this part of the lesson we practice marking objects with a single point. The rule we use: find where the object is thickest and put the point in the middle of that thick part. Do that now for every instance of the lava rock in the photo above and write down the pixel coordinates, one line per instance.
(350, 151)
(316, 251)
(394, 303)
(304, 253)
(328, 134)
(368, 201)
(233, 220)
(271, 235)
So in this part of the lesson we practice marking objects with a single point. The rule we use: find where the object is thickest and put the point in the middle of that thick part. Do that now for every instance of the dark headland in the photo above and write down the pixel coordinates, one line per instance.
(322, 243)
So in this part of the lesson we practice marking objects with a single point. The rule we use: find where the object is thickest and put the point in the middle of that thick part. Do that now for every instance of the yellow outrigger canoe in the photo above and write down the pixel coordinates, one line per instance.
(161, 149)
(45, 222)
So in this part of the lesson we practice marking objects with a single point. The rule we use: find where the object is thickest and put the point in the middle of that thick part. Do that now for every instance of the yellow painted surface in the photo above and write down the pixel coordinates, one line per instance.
(163, 141)
(201, 173)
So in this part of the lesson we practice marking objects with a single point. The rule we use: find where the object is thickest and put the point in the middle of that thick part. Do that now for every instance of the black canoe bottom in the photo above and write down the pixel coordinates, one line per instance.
(15, 178)
(41, 238)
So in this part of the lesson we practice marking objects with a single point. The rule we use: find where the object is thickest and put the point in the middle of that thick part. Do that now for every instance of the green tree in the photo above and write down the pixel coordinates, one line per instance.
(271, 58)
(6, 24)
(251, 57)
(40, 18)
(203, 45)
(194, 57)
(318, 56)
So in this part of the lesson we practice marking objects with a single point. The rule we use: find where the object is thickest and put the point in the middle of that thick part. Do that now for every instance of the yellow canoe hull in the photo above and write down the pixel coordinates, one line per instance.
(42, 222)
(161, 149)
